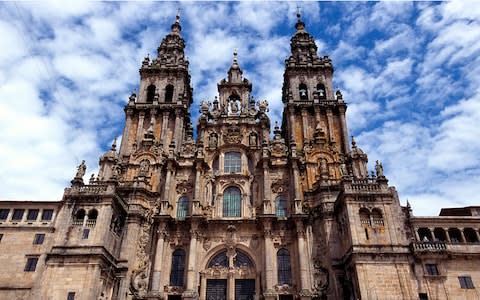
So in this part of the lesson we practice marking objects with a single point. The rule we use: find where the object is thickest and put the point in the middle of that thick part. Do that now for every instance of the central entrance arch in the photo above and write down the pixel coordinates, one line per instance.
(230, 274)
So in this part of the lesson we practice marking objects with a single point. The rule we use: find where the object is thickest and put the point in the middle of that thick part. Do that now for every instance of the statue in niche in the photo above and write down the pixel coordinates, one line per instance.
(343, 169)
(323, 168)
(253, 139)
(144, 166)
(234, 106)
(379, 169)
(81, 169)
(213, 141)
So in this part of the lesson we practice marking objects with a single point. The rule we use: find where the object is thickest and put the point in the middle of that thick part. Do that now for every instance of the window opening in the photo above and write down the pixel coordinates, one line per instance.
(39, 238)
(150, 93)
(168, 93)
(47, 214)
(182, 207)
(178, 268)
(281, 206)
(321, 91)
(432, 269)
(466, 282)
(4, 214)
(284, 267)
(85, 233)
(31, 264)
(233, 162)
(220, 259)
(232, 199)
(32, 214)
(18, 214)
(303, 91)
(71, 296)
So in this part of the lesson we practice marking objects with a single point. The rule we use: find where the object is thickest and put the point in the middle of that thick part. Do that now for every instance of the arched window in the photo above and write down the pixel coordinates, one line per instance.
(232, 200)
(168, 93)
(377, 217)
(182, 207)
(440, 234)
(150, 93)
(242, 259)
(92, 214)
(470, 235)
(303, 91)
(220, 260)
(233, 162)
(80, 215)
(281, 206)
(322, 94)
(178, 268)
(365, 217)
(284, 268)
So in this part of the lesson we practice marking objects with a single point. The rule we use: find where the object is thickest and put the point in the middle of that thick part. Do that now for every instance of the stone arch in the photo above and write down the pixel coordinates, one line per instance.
(151, 89)
(222, 247)
(169, 93)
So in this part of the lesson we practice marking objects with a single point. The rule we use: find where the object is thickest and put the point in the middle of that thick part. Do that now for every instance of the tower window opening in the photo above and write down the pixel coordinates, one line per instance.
(169, 93)
(281, 206)
(284, 267)
(233, 162)
(303, 91)
(150, 93)
(321, 91)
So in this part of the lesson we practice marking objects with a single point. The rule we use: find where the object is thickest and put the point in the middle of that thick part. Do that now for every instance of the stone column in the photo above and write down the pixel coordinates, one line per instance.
(269, 254)
(163, 135)
(330, 125)
(462, 235)
(126, 132)
(177, 135)
(432, 234)
(344, 129)
(197, 195)
(305, 124)
(477, 234)
(158, 264)
(297, 188)
(291, 113)
(267, 193)
(417, 236)
(447, 235)
(138, 136)
(302, 257)
(191, 292)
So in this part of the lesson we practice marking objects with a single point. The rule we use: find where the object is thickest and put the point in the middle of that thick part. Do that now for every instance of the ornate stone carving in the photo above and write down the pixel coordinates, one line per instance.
(279, 186)
(139, 282)
(184, 187)
(144, 167)
(233, 135)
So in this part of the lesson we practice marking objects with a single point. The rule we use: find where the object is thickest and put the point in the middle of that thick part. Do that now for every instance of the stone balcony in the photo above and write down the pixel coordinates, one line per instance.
(443, 247)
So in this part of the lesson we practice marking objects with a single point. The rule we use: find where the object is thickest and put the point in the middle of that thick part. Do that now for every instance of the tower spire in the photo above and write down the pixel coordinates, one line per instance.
(176, 28)
(300, 26)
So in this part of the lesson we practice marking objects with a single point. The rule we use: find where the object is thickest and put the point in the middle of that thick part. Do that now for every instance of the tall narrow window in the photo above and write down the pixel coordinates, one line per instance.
(431, 269)
(232, 200)
(150, 93)
(281, 206)
(92, 217)
(178, 268)
(182, 207)
(365, 217)
(284, 267)
(233, 162)
(377, 217)
(303, 91)
(168, 93)
(71, 296)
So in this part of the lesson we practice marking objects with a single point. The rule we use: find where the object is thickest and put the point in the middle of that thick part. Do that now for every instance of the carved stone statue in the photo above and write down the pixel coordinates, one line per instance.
(81, 169)
(379, 169)
(253, 139)
(144, 166)
(234, 106)
(213, 141)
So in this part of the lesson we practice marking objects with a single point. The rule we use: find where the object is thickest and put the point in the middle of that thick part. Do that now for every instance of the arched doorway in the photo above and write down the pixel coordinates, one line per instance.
(230, 274)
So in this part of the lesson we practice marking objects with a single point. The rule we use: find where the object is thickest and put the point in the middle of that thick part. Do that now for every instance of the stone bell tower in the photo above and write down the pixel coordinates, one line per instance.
(314, 115)
(160, 111)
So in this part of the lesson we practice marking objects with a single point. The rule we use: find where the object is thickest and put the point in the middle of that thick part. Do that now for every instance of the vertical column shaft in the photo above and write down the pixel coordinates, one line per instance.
(157, 267)
(330, 125)
(138, 136)
(344, 130)
(304, 282)
(126, 132)
(192, 259)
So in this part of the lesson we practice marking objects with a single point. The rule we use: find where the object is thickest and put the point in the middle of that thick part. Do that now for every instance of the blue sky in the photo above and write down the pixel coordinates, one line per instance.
(409, 71)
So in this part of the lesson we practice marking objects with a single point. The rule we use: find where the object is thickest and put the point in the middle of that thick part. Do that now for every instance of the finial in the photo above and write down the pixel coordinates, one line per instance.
(114, 144)
(300, 26)
(177, 16)
(235, 55)
(354, 144)
(298, 13)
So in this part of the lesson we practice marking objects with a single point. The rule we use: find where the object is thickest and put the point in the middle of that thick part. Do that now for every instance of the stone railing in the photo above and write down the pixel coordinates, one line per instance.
(363, 185)
(88, 189)
(429, 246)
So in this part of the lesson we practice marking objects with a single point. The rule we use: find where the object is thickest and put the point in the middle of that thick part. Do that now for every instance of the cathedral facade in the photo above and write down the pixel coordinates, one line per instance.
(237, 212)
